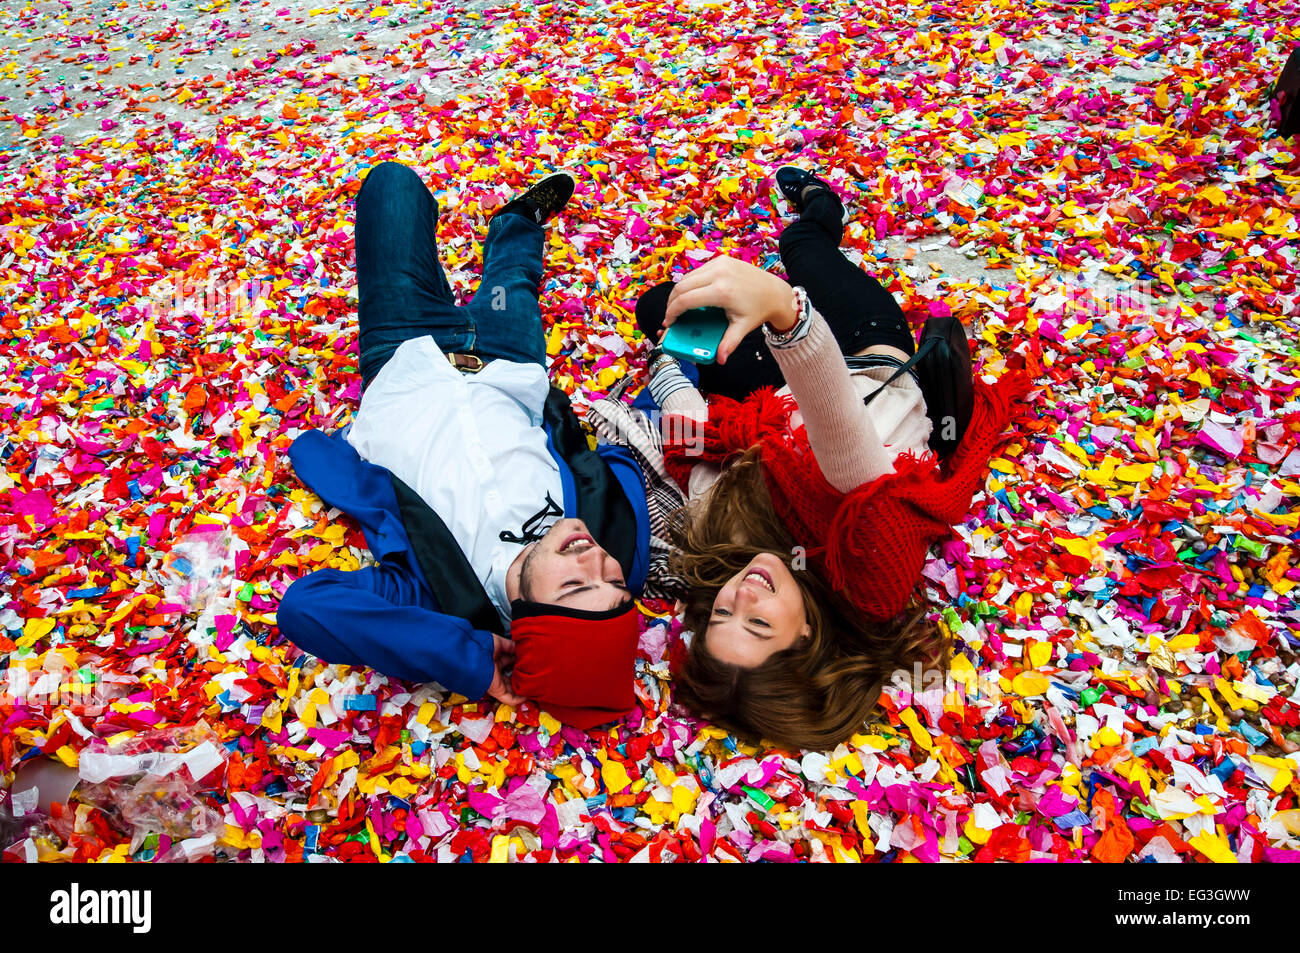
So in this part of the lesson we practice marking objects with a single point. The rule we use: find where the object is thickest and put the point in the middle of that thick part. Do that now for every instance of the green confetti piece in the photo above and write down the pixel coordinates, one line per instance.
(758, 797)
(1252, 546)
(1146, 810)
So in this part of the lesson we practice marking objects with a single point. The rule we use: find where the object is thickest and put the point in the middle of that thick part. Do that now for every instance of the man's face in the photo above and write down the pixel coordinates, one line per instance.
(566, 568)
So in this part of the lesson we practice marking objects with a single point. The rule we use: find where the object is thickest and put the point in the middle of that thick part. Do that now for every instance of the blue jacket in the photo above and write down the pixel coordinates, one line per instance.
(387, 616)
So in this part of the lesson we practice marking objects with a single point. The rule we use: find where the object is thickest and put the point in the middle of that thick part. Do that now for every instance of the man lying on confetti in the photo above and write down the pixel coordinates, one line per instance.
(473, 481)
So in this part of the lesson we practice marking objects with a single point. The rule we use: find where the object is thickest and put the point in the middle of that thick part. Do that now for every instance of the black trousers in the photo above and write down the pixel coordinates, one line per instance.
(858, 309)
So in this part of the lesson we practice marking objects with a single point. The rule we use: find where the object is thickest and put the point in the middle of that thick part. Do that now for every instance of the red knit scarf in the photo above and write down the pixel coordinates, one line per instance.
(871, 542)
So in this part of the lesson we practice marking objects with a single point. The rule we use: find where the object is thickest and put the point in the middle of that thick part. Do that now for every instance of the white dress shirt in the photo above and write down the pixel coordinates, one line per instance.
(473, 448)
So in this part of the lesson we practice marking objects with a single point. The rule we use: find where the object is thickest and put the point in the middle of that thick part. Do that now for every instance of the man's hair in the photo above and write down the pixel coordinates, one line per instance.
(821, 690)
(525, 574)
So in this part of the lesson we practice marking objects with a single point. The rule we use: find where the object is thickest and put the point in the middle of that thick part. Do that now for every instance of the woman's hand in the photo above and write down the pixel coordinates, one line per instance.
(750, 296)
(503, 660)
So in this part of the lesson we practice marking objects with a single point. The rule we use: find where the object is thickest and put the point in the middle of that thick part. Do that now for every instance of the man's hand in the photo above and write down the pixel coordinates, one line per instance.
(749, 295)
(503, 660)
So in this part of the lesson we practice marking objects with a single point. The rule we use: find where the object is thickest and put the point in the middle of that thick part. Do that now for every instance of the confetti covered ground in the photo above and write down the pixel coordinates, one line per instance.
(1095, 187)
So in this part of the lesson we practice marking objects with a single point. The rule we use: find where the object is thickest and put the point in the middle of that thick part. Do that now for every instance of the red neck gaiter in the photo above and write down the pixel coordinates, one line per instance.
(578, 666)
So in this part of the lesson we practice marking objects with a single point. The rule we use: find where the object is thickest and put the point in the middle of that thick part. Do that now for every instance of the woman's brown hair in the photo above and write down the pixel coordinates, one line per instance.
(815, 694)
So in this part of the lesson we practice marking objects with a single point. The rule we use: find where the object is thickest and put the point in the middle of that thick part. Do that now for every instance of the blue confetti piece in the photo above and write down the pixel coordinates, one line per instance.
(1075, 818)
(1223, 770)
(1251, 733)
(1142, 745)
(90, 593)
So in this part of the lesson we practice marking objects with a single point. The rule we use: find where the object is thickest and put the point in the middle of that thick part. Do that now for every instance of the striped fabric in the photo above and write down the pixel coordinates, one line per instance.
(615, 422)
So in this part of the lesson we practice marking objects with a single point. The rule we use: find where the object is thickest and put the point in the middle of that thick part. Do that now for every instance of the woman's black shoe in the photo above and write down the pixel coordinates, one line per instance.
(793, 182)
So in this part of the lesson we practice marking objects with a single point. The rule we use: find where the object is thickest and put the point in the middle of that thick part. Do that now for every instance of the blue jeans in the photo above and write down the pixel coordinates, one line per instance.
(403, 292)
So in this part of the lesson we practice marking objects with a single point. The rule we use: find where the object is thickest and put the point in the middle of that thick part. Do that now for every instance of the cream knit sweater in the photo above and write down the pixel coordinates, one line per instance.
(852, 442)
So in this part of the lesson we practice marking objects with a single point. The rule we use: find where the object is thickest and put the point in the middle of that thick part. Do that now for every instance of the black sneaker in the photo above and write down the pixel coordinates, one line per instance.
(542, 200)
(794, 184)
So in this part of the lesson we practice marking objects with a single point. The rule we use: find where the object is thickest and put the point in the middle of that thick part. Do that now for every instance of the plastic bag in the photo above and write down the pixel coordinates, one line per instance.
(151, 783)
(199, 568)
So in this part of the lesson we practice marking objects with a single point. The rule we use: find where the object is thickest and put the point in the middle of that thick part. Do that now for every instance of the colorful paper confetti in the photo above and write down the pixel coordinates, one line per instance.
(1094, 186)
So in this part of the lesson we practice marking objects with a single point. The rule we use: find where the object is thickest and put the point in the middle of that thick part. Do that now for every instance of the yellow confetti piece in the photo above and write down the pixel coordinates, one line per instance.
(962, 670)
(1075, 451)
(878, 742)
(36, 629)
(974, 833)
(849, 764)
(1029, 684)
(1082, 548)
(1214, 846)
(1238, 229)
(665, 774)
(238, 839)
(861, 818)
(1103, 475)
(1231, 697)
(1134, 472)
(922, 737)
(1040, 653)
(1213, 194)
(1106, 737)
(684, 797)
(615, 776)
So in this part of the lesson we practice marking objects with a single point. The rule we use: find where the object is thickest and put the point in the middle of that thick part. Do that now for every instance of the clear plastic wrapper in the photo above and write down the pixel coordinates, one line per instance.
(199, 568)
(152, 784)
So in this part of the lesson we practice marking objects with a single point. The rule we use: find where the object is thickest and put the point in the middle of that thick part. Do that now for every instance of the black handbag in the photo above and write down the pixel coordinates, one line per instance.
(942, 362)
(1287, 93)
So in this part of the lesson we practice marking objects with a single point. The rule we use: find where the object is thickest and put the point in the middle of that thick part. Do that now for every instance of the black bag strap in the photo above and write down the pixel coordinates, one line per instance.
(602, 504)
(926, 347)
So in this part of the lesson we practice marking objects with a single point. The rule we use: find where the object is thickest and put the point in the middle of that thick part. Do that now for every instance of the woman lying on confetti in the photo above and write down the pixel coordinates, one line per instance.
(810, 477)
(467, 473)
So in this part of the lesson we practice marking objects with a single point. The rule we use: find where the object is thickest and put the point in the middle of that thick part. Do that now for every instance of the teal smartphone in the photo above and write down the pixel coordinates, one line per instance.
(695, 335)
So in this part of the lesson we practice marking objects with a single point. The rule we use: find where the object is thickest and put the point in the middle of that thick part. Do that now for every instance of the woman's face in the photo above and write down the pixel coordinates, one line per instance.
(759, 611)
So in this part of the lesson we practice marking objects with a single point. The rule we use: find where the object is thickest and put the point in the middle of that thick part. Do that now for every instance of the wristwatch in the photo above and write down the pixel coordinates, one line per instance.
(657, 358)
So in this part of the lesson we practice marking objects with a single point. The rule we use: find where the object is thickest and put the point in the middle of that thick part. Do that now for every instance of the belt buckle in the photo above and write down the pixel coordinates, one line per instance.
(469, 363)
